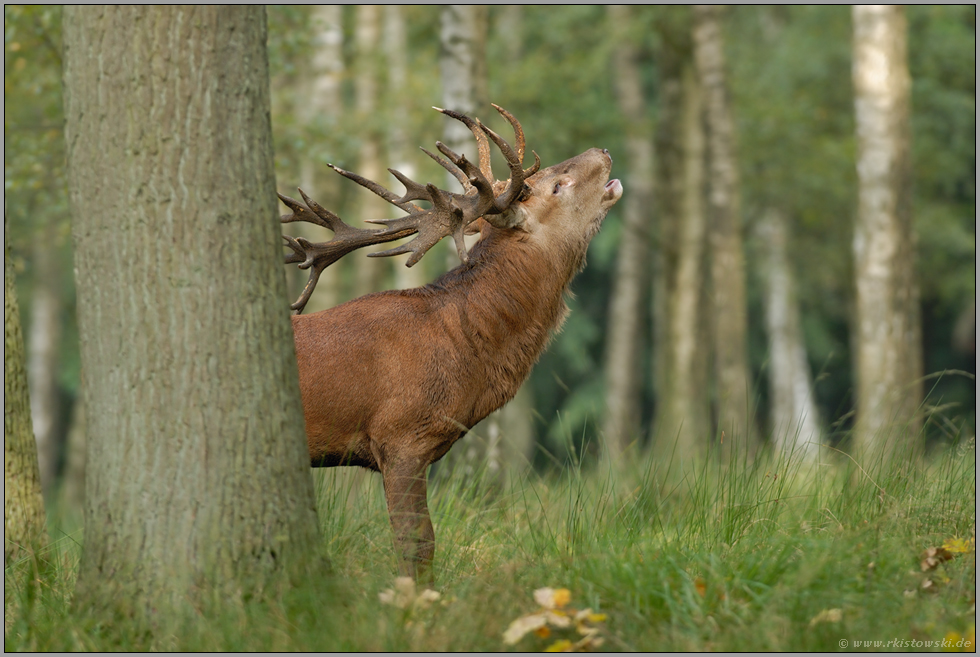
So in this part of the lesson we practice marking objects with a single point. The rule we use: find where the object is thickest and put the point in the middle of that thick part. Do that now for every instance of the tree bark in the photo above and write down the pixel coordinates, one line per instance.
(683, 419)
(197, 466)
(889, 350)
(735, 405)
(795, 421)
(621, 425)
(24, 530)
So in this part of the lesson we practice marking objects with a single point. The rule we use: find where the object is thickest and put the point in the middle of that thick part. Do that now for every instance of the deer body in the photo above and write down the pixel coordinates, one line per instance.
(391, 380)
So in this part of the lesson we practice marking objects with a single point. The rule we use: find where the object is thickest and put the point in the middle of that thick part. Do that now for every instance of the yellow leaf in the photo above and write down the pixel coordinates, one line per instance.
(563, 645)
(543, 632)
(827, 616)
(960, 545)
(562, 597)
(550, 598)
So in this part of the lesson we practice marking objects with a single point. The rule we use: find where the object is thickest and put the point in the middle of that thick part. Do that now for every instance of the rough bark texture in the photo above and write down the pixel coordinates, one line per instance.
(621, 424)
(889, 351)
(683, 420)
(729, 311)
(197, 465)
(795, 421)
(321, 103)
(24, 529)
(42, 362)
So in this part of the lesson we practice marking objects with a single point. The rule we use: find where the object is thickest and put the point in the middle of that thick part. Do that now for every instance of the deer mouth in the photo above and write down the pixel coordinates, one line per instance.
(613, 190)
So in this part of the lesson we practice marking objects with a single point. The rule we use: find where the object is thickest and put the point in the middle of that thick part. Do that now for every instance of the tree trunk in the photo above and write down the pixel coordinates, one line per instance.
(367, 80)
(24, 530)
(621, 424)
(729, 312)
(682, 424)
(42, 362)
(795, 422)
(197, 467)
(889, 351)
(399, 147)
(321, 106)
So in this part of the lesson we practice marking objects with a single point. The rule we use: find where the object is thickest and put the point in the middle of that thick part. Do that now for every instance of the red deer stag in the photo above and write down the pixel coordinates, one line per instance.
(391, 380)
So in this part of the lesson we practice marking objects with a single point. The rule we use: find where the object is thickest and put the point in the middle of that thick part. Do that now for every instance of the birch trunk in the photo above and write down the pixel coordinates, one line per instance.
(42, 362)
(321, 106)
(795, 421)
(729, 321)
(683, 422)
(197, 476)
(889, 349)
(621, 425)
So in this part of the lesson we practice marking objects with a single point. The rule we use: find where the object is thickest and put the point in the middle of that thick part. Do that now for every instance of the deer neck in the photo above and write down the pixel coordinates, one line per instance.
(510, 300)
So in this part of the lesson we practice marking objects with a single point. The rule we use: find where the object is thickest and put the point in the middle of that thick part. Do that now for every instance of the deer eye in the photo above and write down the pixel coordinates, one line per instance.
(557, 188)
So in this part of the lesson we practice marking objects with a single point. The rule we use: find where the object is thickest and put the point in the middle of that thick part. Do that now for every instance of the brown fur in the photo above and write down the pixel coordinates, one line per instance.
(391, 380)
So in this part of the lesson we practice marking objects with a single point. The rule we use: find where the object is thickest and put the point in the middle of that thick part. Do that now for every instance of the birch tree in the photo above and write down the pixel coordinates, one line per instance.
(729, 321)
(888, 341)
(623, 372)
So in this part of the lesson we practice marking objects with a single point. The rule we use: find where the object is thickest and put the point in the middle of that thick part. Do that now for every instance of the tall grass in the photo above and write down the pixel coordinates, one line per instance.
(750, 555)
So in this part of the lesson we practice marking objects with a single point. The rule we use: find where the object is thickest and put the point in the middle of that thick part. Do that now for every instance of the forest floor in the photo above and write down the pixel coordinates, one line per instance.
(769, 555)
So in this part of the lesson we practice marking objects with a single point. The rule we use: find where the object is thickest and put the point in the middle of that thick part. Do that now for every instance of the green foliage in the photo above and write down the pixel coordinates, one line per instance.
(740, 557)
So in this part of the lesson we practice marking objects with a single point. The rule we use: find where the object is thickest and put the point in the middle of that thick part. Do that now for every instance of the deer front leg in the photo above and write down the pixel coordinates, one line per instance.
(405, 491)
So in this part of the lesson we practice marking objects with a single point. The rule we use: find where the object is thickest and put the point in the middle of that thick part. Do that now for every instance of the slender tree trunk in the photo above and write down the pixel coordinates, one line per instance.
(321, 106)
(621, 425)
(795, 421)
(889, 351)
(367, 83)
(729, 305)
(197, 466)
(42, 362)
(24, 529)
(399, 147)
(682, 425)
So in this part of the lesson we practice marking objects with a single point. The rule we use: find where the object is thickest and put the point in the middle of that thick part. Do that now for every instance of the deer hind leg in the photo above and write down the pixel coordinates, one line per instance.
(405, 491)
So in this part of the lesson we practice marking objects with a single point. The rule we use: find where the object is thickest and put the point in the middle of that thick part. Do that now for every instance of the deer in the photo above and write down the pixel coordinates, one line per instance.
(391, 380)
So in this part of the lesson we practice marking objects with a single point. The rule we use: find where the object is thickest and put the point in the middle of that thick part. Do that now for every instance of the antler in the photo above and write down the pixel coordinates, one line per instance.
(450, 213)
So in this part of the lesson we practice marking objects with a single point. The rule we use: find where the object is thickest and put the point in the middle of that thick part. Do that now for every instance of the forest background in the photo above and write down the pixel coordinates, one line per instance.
(354, 87)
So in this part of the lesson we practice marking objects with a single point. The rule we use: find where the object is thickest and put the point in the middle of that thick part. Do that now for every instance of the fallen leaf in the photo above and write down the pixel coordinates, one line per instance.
(518, 628)
(960, 545)
(932, 557)
(562, 645)
(700, 586)
(827, 616)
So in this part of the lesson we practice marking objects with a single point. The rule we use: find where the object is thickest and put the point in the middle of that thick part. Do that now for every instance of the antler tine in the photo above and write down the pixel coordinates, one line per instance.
(519, 141)
(483, 146)
(398, 201)
(451, 168)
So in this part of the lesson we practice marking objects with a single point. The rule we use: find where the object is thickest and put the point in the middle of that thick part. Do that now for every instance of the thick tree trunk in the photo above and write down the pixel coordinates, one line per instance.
(24, 530)
(321, 105)
(795, 422)
(197, 467)
(42, 362)
(729, 305)
(889, 351)
(621, 425)
(683, 421)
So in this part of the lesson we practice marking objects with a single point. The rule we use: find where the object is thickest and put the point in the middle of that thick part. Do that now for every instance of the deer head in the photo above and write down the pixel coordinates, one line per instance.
(536, 202)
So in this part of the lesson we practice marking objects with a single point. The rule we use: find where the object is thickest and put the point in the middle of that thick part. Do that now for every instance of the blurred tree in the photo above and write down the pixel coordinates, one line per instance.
(680, 345)
(734, 396)
(24, 530)
(321, 106)
(623, 364)
(198, 472)
(889, 352)
(371, 121)
(795, 419)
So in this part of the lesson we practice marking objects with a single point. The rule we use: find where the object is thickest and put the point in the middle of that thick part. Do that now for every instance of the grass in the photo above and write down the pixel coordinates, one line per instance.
(772, 554)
